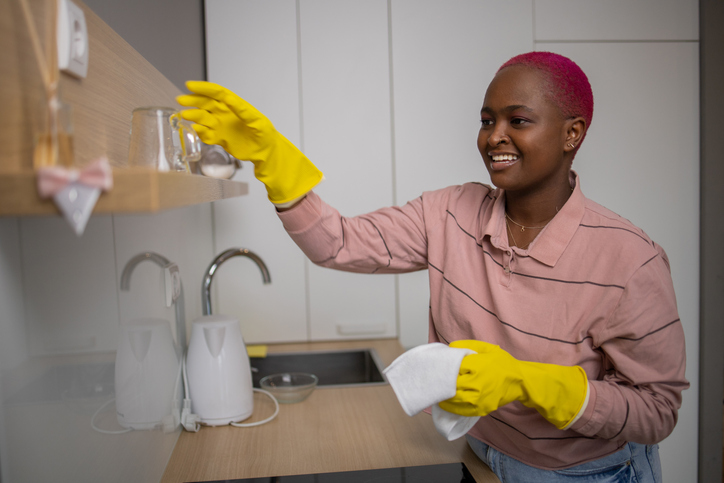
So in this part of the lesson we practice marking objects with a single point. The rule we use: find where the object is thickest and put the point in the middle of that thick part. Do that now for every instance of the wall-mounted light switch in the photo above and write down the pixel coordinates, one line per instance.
(72, 39)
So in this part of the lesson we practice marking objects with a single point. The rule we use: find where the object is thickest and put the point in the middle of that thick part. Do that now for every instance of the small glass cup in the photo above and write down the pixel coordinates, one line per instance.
(162, 140)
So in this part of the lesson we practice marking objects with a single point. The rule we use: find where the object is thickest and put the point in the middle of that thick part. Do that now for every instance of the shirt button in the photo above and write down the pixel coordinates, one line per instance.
(506, 269)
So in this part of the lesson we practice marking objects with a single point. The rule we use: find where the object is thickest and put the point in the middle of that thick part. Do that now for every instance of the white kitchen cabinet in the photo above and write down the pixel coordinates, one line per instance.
(347, 133)
(346, 107)
(321, 74)
(442, 63)
(252, 49)
(616, 20)
(641, 160)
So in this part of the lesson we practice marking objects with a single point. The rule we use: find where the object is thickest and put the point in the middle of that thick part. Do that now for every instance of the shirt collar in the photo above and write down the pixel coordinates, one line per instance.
(552, 241)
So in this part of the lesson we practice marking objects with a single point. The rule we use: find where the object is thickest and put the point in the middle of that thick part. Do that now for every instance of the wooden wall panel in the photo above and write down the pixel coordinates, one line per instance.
(119, 80)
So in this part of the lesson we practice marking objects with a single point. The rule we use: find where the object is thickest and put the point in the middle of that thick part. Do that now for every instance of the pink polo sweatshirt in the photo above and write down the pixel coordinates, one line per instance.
(591, 290)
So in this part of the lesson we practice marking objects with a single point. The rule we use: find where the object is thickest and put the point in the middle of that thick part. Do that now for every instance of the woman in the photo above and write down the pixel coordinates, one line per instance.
(580, 362)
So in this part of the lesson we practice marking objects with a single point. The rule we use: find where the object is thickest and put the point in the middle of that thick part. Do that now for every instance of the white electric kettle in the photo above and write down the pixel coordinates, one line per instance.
(146, 374)
(219, 374)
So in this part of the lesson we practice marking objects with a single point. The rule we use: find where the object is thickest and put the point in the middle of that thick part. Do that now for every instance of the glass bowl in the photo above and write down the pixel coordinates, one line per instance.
(289, 387)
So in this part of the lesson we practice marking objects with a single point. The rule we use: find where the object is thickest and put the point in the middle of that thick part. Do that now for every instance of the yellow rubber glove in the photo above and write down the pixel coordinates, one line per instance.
(493, 378)
(226, 119)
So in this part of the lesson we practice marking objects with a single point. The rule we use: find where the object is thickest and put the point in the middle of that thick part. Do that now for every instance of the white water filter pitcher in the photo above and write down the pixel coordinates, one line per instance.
(219, 374)
(146, 374)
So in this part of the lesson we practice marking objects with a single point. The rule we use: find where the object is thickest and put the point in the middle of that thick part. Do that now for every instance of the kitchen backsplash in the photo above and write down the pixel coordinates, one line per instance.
(60, 314)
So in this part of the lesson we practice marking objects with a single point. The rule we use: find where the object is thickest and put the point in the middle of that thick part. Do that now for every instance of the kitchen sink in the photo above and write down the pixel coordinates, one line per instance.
(353, 367)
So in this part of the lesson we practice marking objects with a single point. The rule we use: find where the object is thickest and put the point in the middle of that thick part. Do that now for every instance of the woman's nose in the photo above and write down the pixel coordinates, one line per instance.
(497, 137)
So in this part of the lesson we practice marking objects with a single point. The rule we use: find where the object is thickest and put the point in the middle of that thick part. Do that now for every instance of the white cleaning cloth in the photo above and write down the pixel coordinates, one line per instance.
(426, 375)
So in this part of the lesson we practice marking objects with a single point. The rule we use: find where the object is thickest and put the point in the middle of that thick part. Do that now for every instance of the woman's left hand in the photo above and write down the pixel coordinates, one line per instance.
(492, 378)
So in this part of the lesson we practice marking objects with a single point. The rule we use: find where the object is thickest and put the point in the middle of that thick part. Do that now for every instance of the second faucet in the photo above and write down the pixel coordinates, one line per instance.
(216, 263)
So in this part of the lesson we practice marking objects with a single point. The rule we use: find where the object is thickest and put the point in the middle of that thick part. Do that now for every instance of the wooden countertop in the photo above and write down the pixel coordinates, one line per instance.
(335, 429)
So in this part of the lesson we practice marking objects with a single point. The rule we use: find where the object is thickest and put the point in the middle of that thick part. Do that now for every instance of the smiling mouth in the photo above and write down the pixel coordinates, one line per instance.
(502, 161)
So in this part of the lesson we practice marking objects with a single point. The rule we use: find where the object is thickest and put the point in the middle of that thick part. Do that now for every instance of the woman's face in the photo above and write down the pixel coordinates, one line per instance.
(523, 134)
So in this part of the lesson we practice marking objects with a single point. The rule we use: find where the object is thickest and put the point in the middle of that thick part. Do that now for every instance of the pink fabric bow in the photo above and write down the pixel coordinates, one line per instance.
(53, 179)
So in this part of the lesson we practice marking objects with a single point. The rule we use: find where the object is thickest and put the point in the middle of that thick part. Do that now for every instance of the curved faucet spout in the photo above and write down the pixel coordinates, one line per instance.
(216, 263)
(159, 260)
(162, 262)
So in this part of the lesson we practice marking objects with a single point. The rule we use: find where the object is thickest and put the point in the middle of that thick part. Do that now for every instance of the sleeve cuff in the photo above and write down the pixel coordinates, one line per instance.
(583, 408)
(290, 203)
(301, 217)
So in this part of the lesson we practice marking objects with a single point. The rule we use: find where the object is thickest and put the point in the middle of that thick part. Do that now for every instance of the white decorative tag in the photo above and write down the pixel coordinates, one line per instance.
(76, 201)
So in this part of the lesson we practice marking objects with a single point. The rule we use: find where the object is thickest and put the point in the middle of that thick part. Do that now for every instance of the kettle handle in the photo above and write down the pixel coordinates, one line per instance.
(214, 337)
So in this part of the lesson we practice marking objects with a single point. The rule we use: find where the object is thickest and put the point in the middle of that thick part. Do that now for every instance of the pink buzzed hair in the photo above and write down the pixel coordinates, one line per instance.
(570, 88)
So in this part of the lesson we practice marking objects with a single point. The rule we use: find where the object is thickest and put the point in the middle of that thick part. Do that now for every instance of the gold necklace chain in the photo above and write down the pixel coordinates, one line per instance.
(523, 227)
(513, 237)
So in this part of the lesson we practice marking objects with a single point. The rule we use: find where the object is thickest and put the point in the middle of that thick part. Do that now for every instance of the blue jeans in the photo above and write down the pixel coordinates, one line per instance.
(634, 463)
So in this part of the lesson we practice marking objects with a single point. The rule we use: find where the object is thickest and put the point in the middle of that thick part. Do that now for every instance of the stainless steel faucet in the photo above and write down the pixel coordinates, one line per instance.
(221, 258)
(162, 262)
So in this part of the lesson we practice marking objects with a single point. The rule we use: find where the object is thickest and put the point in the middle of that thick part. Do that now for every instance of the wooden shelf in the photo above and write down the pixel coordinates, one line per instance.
(119, 80)
(135, 190)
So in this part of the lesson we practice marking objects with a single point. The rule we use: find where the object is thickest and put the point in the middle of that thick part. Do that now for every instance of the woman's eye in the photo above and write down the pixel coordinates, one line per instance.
(518, 121)
(486, 122)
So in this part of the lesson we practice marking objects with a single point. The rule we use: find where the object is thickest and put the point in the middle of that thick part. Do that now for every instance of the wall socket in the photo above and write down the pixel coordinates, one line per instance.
(72, 39)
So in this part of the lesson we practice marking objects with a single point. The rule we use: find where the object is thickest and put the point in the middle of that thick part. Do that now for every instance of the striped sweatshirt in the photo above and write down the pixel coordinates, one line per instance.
(591, 290)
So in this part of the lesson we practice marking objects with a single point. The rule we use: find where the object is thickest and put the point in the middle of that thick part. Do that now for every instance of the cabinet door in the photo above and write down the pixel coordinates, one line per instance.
(616, 20)
(252, 50)
(444, 55)
(641, 160)
(320, 71)
(347, 133)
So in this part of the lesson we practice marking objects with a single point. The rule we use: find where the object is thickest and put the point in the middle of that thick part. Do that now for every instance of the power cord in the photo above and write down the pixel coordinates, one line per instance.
(105, 431)
(191, 422)
(264, 421)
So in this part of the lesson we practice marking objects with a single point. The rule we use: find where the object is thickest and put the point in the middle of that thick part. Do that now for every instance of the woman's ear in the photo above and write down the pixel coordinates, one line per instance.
(575, 129)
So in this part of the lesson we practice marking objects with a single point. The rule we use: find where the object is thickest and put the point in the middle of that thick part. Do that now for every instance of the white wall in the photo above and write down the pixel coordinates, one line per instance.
(60, 307)
(13, 342)
(167, 33)
(384, 97)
